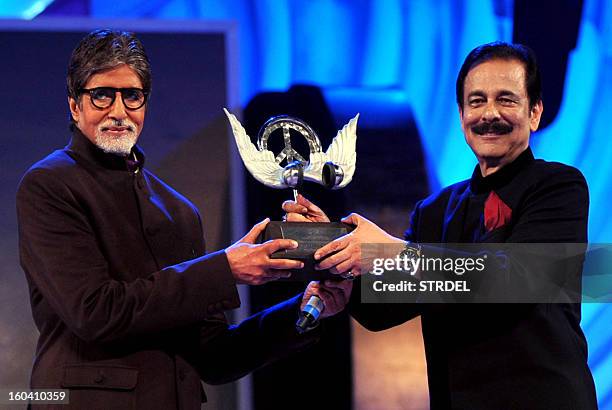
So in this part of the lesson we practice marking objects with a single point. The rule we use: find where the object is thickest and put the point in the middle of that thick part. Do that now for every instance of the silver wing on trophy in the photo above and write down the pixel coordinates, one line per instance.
(333, 168)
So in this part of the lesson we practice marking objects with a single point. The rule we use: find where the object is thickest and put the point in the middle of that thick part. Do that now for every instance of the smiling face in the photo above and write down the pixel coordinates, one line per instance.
(496, 118)
(114, 129)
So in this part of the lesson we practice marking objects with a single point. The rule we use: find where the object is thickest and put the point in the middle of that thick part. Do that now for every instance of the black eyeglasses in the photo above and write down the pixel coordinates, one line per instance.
(104, 97)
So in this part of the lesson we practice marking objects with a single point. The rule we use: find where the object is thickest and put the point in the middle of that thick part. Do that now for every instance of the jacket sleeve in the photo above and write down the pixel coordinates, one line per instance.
(382, 316)
(223, 353)
(62, 259)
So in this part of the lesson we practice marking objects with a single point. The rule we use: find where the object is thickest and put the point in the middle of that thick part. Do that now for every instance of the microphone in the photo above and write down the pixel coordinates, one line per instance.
(310, 314)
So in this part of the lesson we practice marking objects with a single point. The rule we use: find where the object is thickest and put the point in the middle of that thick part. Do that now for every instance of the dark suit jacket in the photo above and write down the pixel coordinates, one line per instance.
(518, 356)
(129, 309)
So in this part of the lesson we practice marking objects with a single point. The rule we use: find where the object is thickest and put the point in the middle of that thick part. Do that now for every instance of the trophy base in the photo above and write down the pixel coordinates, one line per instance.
(310, 237)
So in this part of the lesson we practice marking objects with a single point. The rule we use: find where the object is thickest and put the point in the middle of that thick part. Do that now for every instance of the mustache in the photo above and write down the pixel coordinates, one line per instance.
(129, 125)
(496, 127)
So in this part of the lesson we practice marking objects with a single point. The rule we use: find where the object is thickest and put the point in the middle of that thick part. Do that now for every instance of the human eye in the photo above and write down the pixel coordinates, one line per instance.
(102, 94)
(507, 101)
(133, 94)
(476, 101)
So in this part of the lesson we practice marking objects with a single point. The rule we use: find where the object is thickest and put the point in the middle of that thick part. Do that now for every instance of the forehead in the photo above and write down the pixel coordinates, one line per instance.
(495, 75)
(119, 77)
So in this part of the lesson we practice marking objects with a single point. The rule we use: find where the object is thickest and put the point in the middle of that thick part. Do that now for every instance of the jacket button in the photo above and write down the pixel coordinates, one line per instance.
(100, 378)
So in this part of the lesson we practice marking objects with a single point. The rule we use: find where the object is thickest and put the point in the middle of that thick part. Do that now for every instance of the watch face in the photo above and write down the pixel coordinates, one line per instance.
(410, 252)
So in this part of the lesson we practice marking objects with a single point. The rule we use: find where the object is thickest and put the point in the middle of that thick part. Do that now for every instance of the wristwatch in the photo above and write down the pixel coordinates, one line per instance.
(412, 251)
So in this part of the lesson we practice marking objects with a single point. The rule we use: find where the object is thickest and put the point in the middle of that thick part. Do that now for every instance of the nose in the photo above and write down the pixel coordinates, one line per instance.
(118, 110)
(490, 112)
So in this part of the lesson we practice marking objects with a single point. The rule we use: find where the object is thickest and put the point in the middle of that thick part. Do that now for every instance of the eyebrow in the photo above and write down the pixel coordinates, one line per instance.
(480, 93)
(477, 93)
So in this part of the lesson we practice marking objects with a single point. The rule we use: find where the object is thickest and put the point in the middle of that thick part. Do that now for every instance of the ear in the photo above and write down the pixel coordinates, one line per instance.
(75, 110)
(535, 115)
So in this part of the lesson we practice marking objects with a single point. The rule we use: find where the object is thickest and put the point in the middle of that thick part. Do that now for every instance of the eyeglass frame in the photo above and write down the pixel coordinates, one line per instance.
(121, 91)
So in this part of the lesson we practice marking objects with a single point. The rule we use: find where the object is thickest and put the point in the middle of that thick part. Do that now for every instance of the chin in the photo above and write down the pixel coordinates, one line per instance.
(489, 151)
(116, 145)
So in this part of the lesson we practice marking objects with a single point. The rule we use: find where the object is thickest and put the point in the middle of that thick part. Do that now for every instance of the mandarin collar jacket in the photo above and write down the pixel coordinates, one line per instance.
(128, 304)
(501, 356)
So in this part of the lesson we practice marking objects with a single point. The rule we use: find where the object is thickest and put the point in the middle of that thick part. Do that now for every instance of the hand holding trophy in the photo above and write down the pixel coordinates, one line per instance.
(288, 169)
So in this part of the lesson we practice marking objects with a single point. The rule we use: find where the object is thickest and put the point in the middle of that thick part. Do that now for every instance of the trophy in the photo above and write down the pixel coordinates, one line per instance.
(333, 169)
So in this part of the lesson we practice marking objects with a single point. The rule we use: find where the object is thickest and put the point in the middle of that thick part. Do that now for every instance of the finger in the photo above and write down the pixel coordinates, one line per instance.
(311, 289)
(309, 205)
(295, 217)
(344, 286)
(288, 204)
(292, 206)
(331, 300)
(332, 247)
(352, 219)
(348, 265)
(276, 244)
(255, 231)
(333, 260)
(283, 264)
(302, 200)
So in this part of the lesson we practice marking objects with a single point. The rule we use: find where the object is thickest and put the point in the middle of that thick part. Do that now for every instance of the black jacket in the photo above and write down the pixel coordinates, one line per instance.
(496, 356)
(129, 308)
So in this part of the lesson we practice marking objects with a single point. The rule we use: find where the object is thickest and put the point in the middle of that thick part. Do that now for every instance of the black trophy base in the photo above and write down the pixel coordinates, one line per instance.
(310, 237)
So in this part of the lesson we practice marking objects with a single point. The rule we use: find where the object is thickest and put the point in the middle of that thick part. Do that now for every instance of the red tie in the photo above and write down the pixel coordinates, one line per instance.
(496, 212)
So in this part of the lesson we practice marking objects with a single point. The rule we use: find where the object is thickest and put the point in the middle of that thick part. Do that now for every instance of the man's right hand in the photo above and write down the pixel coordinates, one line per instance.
(334, 294)
(303, 210)
(251, 263)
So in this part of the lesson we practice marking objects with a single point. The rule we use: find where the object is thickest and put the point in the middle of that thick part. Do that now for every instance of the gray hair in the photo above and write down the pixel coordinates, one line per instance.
(103, 50)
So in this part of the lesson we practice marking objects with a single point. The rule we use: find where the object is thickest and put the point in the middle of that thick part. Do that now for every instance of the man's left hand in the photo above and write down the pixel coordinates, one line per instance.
(345, 252)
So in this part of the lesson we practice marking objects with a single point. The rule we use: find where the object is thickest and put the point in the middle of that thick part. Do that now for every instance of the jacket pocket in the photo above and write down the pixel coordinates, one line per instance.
(100, 386)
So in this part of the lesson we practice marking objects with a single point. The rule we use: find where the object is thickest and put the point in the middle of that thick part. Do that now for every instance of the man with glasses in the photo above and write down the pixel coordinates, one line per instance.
(129, 307)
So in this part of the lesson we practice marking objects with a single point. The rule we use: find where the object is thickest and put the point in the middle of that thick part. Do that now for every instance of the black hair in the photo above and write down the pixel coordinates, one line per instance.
(503, 51)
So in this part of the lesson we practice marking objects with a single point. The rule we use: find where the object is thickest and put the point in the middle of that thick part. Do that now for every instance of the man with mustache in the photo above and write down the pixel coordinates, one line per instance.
(515, 356)
(128, 305)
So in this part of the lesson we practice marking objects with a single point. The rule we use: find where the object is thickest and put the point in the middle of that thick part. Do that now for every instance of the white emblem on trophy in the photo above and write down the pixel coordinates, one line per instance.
(333, 168)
